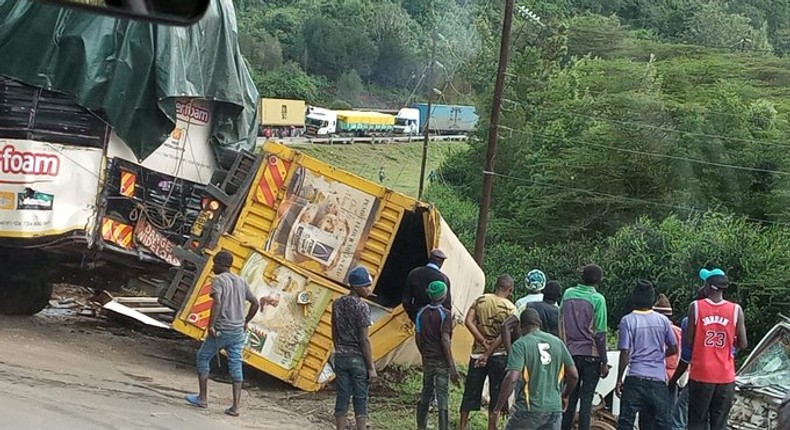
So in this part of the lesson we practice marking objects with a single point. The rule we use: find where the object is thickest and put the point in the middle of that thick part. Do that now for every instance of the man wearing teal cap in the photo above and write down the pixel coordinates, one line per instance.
(434, 327)
(715, 327)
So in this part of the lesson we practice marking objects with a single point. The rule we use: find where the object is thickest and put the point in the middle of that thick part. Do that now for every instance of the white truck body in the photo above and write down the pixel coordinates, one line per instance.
(407, 121)
(321, 122)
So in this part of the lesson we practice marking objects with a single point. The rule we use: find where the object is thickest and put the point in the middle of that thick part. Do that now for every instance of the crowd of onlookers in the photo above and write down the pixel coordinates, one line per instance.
(547, 351)
(550, 347)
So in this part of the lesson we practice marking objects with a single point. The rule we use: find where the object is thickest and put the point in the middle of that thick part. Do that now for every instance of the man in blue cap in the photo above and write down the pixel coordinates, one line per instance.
(353, 364)
(434, 327)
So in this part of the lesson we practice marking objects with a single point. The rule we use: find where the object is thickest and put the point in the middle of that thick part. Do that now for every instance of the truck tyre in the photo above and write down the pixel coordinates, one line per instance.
(24, 295)
(226, 158)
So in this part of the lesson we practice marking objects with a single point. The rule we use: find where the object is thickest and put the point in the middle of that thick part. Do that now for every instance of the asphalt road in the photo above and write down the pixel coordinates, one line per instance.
(41, 406)
(87, 374)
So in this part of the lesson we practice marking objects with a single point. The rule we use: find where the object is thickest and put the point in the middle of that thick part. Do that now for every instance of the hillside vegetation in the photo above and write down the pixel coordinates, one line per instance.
(652, 137)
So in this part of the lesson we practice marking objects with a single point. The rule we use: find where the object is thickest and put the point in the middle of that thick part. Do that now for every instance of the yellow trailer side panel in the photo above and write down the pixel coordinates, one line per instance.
(281, 112)
(304, 225)
(293, 196)
(292, 341)
(376, 118)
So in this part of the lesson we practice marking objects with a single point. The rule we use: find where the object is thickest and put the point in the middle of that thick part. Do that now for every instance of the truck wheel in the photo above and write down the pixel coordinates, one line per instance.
(24, 296)
(226, 158)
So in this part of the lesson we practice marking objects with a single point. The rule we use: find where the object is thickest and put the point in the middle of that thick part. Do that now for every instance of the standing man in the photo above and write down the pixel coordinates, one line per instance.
(583, 329)
(534, 282)
(664, 307)
(538, 362)
(547, 309)
(382, 175)
(715, 325)
(226, 329)
(646, 339)
(354, 368)
(415, 294)
(678, 383)
(484, 321)
(434, 326)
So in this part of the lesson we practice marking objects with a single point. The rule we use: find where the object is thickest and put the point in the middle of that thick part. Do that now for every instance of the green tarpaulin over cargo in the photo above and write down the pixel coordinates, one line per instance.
(129, 72)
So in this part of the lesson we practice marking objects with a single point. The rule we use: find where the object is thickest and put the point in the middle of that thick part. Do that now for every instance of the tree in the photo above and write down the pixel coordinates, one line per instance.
(332, 48)
(291, 82)
(350, 87)
(713, 26)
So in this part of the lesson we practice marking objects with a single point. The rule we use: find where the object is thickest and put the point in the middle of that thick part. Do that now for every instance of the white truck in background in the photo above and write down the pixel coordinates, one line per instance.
(407, 121)
(321, 122)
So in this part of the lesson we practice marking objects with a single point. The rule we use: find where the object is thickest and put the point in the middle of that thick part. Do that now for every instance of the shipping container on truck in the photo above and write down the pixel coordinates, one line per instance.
(296, 227)
(448, 119)
(281, 117)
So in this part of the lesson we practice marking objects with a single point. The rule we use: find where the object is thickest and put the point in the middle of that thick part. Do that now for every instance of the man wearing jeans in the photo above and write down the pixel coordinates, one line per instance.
(434, 327)
(226, 329)
(583, 329)
(646, 339)
(353, 364)
(489, 359)
(539, 362)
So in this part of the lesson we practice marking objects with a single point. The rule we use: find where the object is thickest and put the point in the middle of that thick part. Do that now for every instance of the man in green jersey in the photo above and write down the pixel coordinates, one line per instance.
(537, 364)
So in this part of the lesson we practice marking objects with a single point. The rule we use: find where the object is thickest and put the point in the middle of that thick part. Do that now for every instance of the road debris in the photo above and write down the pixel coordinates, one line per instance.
(112, 304)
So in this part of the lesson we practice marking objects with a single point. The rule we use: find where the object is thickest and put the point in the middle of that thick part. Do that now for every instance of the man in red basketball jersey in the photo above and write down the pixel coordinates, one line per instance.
(715, 325)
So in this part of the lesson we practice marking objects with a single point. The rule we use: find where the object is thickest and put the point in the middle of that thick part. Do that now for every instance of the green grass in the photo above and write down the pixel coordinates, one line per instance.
(393, 401)
(401, 161)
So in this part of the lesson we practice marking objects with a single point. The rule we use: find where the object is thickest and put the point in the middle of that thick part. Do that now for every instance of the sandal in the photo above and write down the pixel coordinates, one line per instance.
(194, 400)
(232, 412)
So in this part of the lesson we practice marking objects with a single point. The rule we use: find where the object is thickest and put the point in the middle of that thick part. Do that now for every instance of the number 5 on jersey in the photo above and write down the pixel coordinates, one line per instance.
(545, 353)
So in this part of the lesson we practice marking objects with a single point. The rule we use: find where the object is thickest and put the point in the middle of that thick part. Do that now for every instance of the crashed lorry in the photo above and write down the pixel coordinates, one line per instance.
(107, 142)
(762, 382)
(296, 227)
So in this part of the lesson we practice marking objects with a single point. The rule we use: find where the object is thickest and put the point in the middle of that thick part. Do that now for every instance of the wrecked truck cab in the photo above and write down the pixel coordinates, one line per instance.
(296, 227)
(763, 382)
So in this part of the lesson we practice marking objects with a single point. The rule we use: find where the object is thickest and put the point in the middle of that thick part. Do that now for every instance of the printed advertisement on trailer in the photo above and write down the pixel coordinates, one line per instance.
(186, 154)
(47, 188)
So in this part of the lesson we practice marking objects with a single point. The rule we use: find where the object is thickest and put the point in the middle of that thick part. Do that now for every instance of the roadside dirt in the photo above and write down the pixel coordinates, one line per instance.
(82, 357)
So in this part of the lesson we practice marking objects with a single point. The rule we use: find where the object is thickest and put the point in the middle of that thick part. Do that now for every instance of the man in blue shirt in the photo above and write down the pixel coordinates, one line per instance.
(646, 339)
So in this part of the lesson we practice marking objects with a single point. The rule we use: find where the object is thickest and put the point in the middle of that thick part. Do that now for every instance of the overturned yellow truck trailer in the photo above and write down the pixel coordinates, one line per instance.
(297, 226)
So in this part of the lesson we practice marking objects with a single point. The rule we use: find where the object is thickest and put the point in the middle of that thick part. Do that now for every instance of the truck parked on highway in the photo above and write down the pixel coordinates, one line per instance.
(448, 119)
(325, 122)
(296, 227)
(102, 169)
(281, 117)
(409, 121)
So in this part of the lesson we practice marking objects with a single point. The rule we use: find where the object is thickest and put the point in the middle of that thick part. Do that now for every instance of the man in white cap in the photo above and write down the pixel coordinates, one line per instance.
(535, 282)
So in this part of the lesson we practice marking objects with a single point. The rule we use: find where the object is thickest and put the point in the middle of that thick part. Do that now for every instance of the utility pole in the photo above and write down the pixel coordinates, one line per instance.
(427, 131)
(493, 130)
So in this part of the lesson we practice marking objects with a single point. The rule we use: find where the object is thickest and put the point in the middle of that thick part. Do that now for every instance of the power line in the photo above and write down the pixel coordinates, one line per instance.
(620, 197)
(652, 154)
(683, 44)
(655, 127)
